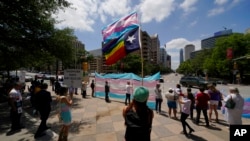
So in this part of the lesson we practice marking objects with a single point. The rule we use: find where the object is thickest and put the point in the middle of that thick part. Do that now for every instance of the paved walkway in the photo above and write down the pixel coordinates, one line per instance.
(96, 120)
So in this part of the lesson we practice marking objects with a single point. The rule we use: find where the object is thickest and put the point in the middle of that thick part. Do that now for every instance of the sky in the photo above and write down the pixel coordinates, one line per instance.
(176, 22)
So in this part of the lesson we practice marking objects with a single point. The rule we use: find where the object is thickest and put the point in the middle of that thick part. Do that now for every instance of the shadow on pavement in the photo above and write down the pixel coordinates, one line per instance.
(196, 138)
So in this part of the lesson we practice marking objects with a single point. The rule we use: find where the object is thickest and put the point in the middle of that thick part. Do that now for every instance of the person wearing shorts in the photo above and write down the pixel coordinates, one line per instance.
(171, 102)
(215, 97)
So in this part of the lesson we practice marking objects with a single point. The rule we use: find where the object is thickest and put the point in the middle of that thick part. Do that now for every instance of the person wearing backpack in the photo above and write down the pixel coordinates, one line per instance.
(234, 113)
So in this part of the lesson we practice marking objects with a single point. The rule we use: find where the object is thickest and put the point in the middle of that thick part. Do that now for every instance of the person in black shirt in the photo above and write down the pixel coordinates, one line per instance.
(138, 117)
(107, 91)
(92, 85)
(43, 100)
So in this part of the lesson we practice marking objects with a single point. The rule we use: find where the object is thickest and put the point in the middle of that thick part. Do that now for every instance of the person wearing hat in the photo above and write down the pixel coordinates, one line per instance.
(234, 115)
(171, 102)
(138, 117)
(158, 98)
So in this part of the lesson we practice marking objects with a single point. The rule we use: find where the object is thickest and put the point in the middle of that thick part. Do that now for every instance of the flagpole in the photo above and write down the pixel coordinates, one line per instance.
(142, 73)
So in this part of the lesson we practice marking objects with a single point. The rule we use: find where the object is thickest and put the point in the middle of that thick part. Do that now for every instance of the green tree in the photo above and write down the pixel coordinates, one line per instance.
(26, 30)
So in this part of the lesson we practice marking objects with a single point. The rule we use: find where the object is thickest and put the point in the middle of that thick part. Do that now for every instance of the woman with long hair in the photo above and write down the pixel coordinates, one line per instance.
(65, 113)
(138, 117)
(215, 97)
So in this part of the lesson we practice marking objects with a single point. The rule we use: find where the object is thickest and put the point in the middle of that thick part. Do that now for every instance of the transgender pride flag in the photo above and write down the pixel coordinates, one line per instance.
(118, 86)
(119, 27)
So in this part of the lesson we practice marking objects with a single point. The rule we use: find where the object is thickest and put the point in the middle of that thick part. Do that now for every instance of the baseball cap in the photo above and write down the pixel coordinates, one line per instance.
(141, 94)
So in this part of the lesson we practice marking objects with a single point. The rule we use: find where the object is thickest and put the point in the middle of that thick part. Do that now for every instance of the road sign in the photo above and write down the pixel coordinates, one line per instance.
(73, 77)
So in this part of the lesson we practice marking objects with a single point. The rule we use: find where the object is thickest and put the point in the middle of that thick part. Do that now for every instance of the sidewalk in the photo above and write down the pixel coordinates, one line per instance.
(96, 120)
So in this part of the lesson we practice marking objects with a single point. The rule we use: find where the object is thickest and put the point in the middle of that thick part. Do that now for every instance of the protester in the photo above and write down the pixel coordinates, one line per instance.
(107, 89)
(65, 113)
(202, 105)
(178, 92)
(128, 93)
(92, 85)
(138, 117)
(76, 91)
(71, 91)
(234, 115)
(215, 97)
(43, 101)
(158, 98)
(84, 89)
(171, 102)
(15, 101)
(57, 87)
(192, 98)
(185, 113)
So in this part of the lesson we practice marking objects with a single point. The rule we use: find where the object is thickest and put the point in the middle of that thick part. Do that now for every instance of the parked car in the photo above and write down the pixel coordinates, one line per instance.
(190, 81)
(28, 78)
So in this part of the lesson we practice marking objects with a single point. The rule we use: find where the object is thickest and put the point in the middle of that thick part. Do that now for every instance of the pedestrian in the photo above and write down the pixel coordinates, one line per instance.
(158, 98)
(171, 102)
(57, 87)
(65, 113)
(178, 91)
(43, 101)
(138, 117)
(107, 90)
(15, 102)
(76, 91)
(84, 89)
(71, 91)
(185, 113)
(202, 100)
(129, 88)
(234, 115)
(215, 97)
(192, 106)
(92, 85)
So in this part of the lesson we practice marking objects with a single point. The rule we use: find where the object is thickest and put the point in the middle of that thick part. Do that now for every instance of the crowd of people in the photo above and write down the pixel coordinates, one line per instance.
(137, 116)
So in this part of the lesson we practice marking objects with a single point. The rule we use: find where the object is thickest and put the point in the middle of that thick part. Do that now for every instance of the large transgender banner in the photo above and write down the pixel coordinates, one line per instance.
(117, 83)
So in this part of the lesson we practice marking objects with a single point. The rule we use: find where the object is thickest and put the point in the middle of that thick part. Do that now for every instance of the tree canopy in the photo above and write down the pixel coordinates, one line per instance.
(28, 36)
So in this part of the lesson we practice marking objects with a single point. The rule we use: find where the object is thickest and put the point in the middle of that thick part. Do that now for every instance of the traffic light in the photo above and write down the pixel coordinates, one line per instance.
(85, 66)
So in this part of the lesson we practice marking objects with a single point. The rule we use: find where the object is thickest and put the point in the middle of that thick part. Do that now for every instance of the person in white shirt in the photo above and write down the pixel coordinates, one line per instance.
(234, 115)
(158, 98)
(129, 88)
(178, 92)
(185, 113)
(15, 101)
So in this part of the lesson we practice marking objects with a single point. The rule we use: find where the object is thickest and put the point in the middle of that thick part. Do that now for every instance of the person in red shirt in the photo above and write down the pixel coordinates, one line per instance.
(202, 105)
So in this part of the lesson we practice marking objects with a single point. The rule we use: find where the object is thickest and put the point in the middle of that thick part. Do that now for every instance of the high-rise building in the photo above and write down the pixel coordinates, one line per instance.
(188, 49)
(155, 49)
(210, 42)
(181, 55)
(168, 61)
(163, 57)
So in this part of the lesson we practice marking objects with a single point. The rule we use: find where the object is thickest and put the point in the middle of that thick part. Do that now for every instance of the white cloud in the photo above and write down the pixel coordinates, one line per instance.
(188, 6)
(113, 8)
(78, 16)
(156, 10)
(216, 11)
(83, 13)
(173, 49)
(220, 2)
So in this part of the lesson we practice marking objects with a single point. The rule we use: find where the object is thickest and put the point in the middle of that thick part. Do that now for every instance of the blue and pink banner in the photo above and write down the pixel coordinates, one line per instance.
(117, 83)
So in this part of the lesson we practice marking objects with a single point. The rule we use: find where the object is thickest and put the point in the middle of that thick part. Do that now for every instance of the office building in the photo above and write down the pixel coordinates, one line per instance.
(181, 56)
(188, 49)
